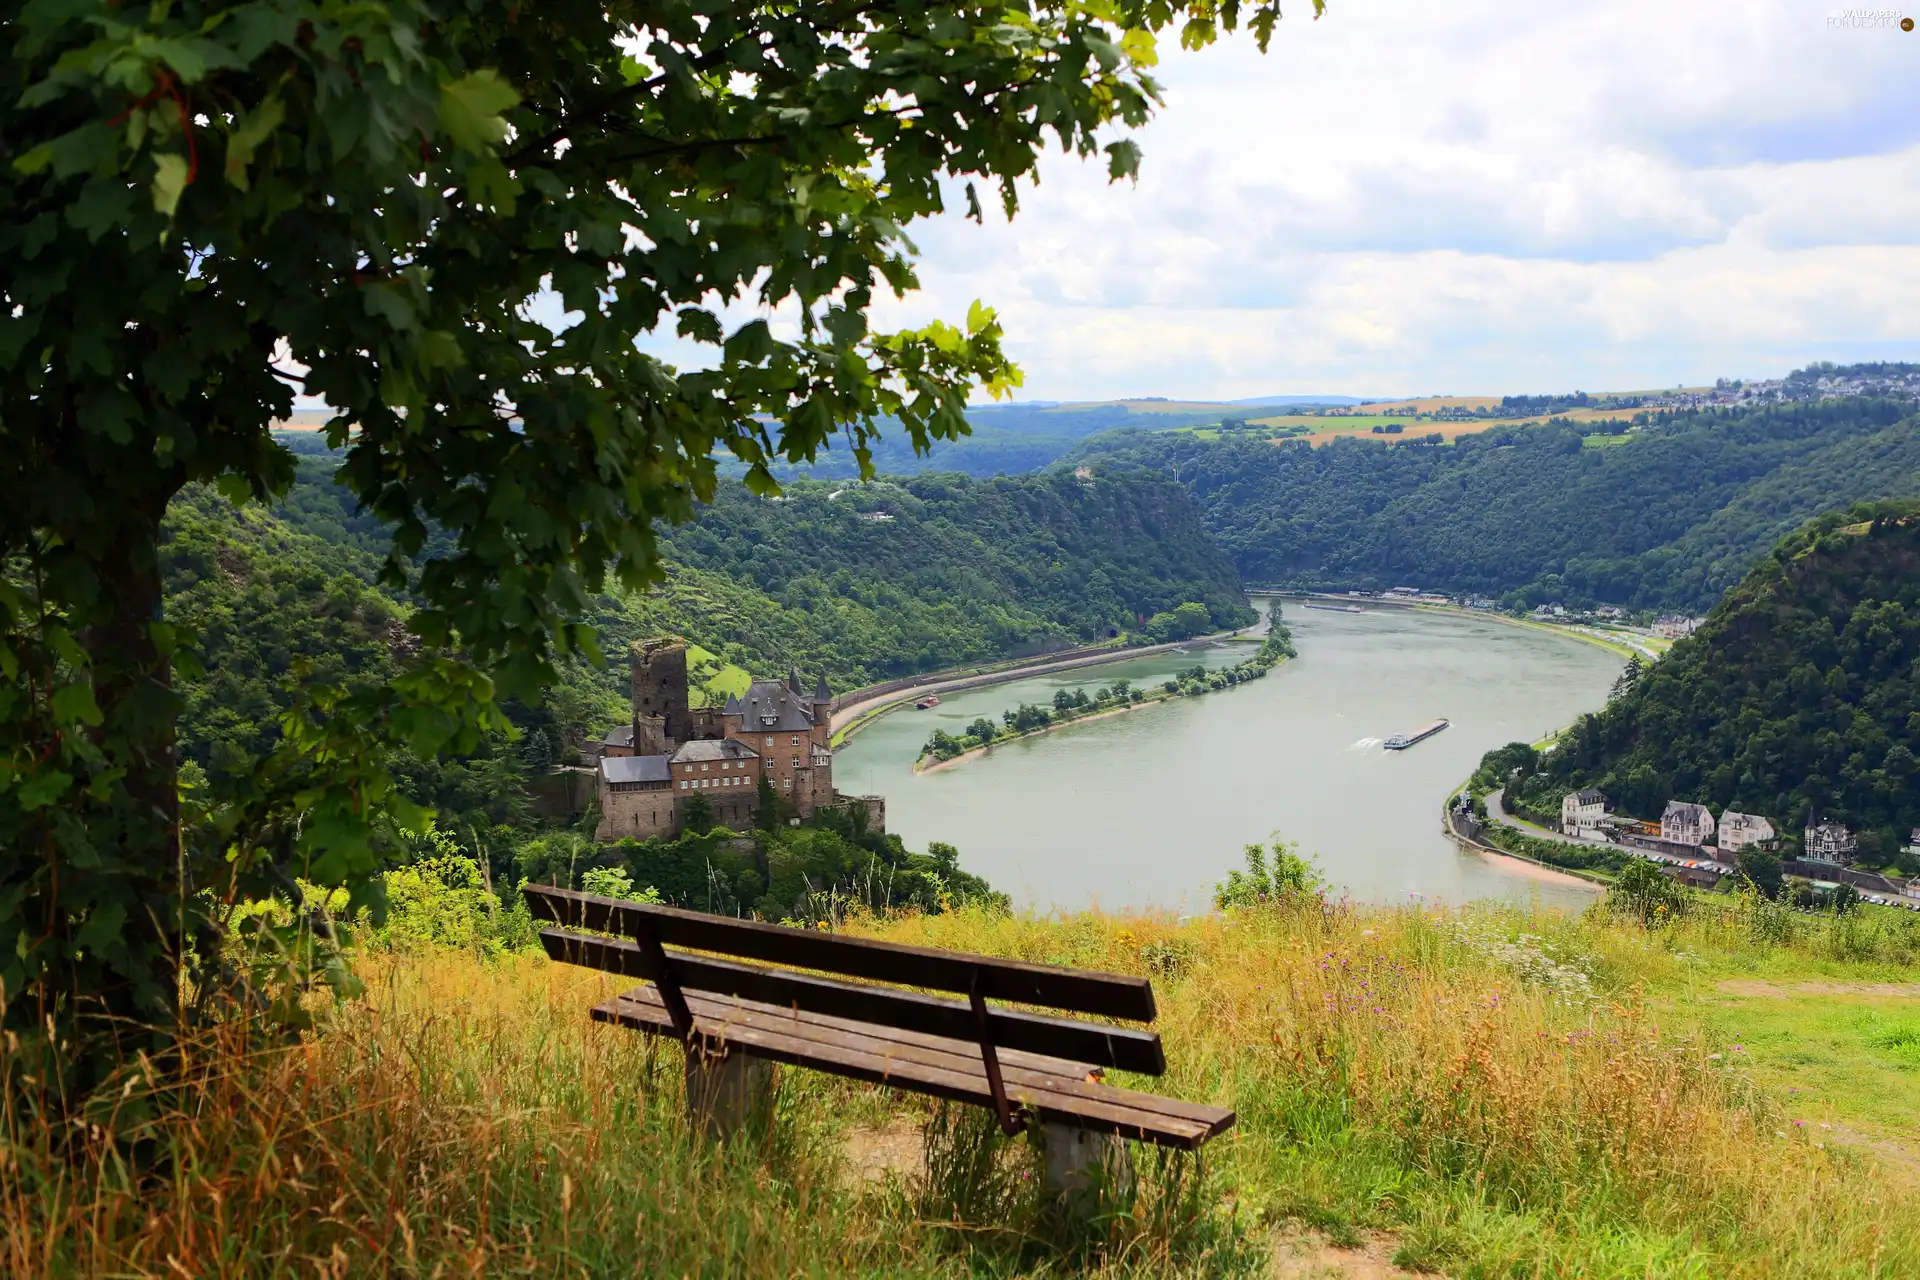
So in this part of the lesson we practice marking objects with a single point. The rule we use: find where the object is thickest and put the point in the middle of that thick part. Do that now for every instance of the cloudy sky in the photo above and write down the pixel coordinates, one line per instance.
(1416, 198)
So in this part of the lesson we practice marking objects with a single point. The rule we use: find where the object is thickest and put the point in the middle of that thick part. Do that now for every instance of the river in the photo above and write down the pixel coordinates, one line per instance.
(1151, 808)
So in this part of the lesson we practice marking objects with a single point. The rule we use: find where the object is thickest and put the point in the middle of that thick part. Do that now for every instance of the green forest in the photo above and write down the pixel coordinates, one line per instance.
(859, 583)
(1669, 517)
(1798, 698)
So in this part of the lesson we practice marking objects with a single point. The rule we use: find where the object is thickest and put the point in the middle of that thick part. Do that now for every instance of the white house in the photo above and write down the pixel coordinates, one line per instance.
(1582, 811)
(1742, 830)
(1831, 842)
(1684, 823)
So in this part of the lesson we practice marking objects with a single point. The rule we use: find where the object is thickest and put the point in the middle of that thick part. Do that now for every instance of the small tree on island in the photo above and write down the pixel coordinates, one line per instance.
(982, 731)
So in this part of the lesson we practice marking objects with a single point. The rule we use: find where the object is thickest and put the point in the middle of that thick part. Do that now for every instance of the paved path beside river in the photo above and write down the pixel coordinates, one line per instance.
(1497, 811)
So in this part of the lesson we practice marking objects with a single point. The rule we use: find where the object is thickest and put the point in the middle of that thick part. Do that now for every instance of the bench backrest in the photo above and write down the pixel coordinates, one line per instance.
(652, 929)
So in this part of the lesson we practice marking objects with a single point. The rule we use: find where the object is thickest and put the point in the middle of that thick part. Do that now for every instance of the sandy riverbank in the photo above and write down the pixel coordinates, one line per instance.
(1537, 871)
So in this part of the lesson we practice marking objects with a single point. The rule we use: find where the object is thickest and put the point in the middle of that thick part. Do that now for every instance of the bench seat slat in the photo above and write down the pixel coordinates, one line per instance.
(1070, 1077)
(1116, 1048)
(953, 1071)
(1108, 995)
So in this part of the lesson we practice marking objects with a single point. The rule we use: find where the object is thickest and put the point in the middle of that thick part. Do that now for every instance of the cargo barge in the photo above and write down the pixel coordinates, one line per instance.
(1336, 608)
(927, 703)
(1401, 741)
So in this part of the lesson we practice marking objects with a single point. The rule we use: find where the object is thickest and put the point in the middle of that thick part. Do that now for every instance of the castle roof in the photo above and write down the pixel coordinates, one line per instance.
(616, 769)
(734, 706)
(776, 706)
(714, 749)
(820, 691)
(621, 735)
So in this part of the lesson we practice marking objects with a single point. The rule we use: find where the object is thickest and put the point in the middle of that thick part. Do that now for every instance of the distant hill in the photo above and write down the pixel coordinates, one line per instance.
(1310, 401)
(1667, 517)
(1799, 697)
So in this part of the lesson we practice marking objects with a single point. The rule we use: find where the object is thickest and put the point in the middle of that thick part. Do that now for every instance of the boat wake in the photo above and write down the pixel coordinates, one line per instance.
(1364, 744)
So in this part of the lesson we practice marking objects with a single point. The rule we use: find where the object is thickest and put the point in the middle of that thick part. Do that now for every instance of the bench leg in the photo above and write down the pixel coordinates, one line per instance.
(727, 1093)
(1079, 1161)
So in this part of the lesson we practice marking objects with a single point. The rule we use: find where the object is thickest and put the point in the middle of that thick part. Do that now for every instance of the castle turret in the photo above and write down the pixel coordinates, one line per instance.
(821, 694)
(650, 736)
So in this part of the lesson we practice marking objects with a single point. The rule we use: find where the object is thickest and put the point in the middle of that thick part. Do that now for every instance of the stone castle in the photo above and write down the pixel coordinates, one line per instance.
(673, 751)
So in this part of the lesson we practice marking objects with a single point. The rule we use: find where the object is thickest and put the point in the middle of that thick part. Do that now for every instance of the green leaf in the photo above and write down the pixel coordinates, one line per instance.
(32, 162)
(74, 704)
(169, 182)
(259, 123)
(440, 349)
(470, 109)
(492, 187)
(43, 788)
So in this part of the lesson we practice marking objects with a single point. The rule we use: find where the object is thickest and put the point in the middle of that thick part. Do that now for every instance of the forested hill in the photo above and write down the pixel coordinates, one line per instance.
(858, 582)
(912, 573)
(1667, 517)
(1799, 696)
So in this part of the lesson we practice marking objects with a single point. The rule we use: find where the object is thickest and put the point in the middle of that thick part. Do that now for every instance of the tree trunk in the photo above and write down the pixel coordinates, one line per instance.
(137, 997)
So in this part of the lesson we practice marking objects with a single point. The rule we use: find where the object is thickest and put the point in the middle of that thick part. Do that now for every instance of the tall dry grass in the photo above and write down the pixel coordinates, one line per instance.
(1488, 1084)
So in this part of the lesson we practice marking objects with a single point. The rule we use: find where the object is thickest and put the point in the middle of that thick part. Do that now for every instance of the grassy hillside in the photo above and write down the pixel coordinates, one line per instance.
(1800, 695)
(1667, 518)
(1495, 1092)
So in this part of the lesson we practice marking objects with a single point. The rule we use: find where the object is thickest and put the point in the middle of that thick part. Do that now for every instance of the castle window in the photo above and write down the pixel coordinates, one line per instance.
(796, 739)
(769, 740)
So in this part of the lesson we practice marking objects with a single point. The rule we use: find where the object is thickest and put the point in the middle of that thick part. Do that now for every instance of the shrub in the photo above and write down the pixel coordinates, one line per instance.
(1643, 890)
(1287, 877)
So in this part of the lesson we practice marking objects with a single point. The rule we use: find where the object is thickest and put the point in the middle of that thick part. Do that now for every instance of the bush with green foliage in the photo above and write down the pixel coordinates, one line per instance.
(1273, 877)
(1642, 890)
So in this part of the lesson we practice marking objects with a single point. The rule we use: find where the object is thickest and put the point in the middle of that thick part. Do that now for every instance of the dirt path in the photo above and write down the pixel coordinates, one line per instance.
(1784, 991)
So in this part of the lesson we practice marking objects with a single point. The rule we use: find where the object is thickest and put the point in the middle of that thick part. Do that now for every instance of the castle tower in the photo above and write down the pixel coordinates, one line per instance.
(660, 691)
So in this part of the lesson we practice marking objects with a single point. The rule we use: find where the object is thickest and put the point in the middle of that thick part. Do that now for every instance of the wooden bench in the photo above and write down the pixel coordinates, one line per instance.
(1025, 1067)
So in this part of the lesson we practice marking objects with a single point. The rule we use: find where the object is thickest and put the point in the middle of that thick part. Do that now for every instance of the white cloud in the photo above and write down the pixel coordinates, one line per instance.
(1407, 197)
